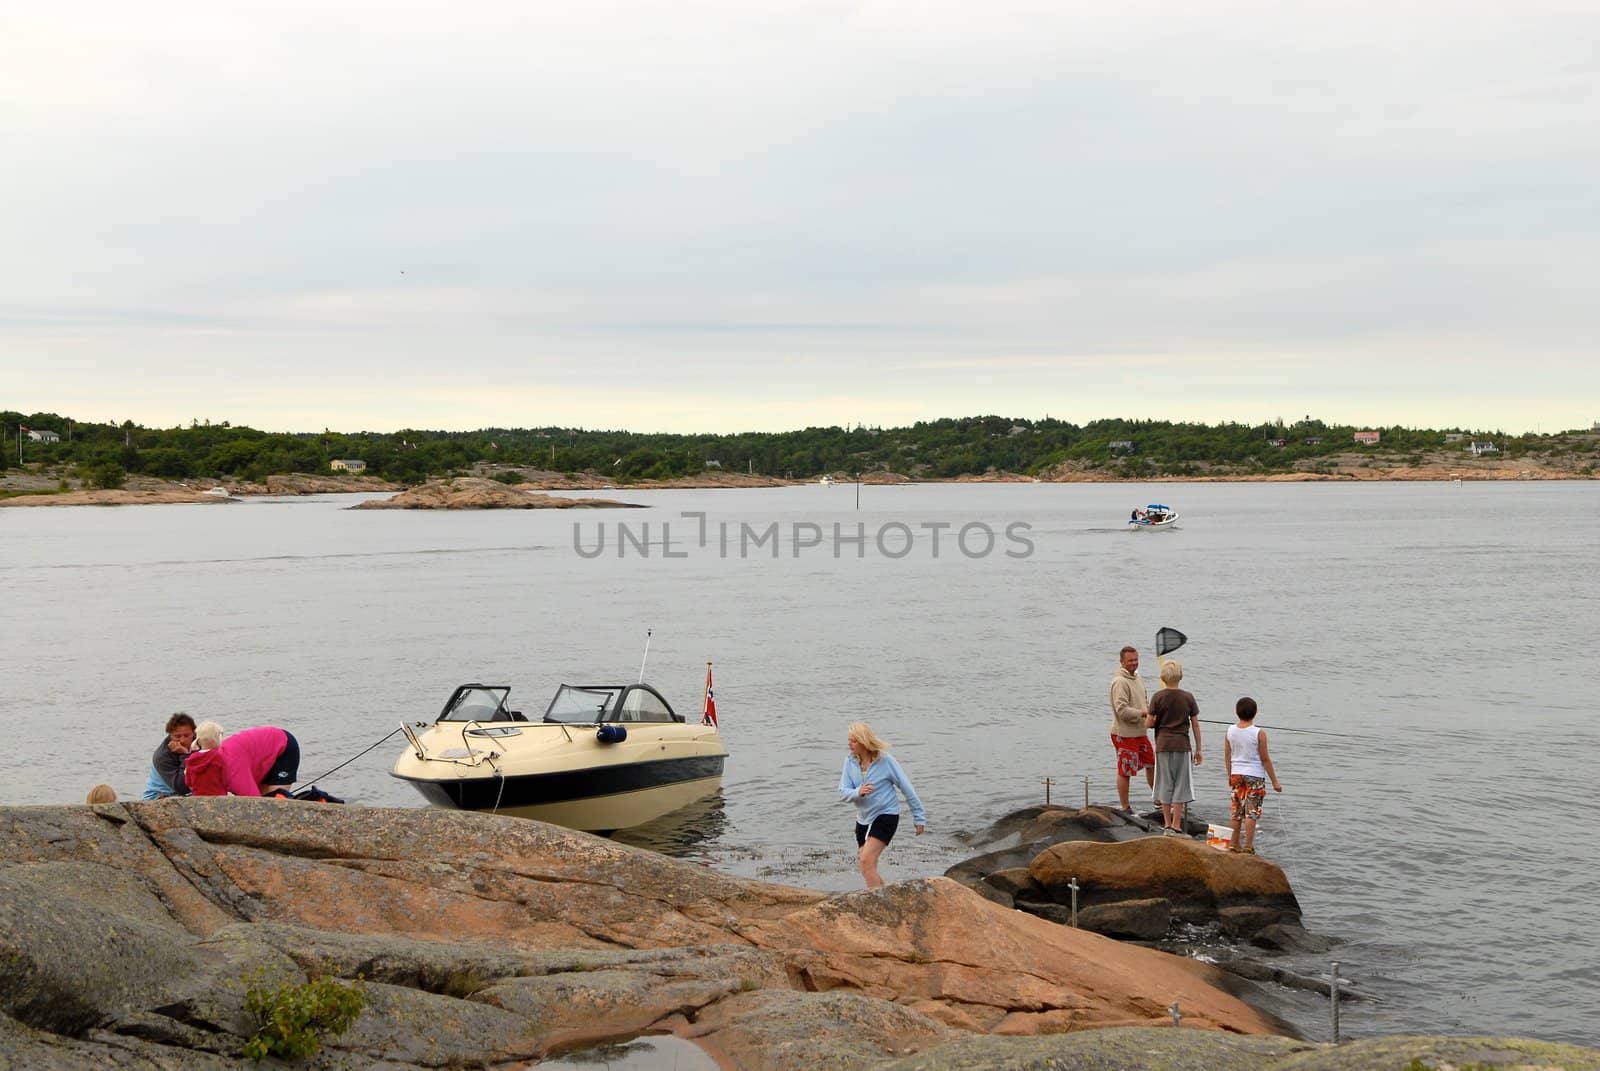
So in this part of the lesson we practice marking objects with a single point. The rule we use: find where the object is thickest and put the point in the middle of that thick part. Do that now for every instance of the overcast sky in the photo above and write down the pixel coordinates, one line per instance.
(724, 216)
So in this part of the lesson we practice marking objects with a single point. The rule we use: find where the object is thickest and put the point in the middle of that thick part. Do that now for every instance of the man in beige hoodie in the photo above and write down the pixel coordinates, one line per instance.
(1129, 705)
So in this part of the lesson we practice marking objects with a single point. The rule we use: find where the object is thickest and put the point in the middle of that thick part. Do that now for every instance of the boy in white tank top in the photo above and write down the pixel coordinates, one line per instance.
(1244, 753)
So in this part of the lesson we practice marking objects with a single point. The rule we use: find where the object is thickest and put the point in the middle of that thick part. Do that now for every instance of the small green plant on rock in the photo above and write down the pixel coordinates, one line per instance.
(292, 1019)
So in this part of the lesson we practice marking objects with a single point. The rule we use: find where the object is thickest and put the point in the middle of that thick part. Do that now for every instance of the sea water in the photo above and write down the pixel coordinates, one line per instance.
(1426, 637)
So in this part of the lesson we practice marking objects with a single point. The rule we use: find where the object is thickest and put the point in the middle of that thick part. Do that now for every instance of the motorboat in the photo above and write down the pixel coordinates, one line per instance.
(217, 492)
(827, 481)
(603, 757)
(1153, 517)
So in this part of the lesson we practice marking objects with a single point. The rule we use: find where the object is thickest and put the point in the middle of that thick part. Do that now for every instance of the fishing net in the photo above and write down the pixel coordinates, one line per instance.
(1168, 640)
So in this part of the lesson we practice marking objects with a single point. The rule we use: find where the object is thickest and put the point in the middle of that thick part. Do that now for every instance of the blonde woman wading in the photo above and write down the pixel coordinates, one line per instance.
(874, 781)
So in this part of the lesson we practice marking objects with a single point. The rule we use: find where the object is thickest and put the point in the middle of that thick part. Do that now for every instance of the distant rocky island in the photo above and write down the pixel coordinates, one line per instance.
(468, 492)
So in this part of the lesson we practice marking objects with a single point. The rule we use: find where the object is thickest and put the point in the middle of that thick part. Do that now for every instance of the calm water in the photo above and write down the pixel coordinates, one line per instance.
(1446, 836)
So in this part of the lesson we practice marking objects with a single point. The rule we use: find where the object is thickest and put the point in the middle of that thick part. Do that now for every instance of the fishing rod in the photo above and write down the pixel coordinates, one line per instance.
(646, 655)
(1170, 639)
(1286, 729)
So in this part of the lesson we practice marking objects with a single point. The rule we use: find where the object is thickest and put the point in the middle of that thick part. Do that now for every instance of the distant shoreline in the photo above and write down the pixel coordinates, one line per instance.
(142, 491)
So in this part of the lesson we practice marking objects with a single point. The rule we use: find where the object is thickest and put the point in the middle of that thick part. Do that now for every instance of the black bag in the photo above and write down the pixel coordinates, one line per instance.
(313, 794)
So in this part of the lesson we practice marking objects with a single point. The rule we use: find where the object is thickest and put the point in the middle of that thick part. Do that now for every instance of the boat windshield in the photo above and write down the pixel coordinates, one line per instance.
(476, 702)
(581, 706)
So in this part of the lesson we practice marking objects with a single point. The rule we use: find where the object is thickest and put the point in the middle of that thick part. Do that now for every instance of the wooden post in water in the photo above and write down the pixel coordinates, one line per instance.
(1047, 783)
(1086, 791)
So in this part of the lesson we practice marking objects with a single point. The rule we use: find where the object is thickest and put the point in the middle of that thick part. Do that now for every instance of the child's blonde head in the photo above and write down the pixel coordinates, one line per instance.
(871, 745)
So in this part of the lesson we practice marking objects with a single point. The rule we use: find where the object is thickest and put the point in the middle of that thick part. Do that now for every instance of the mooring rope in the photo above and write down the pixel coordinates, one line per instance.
(352, 758)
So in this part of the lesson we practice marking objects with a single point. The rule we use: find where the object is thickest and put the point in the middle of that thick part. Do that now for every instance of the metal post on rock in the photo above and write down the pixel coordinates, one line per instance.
(1073, 885)
(1047, 783)
(1333, 994)
(1086, 791)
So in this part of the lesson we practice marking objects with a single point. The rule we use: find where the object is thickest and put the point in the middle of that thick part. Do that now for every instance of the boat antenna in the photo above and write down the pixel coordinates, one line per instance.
(646, 655)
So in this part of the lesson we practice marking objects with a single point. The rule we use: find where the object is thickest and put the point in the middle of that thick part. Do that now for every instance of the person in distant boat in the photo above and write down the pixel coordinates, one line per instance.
(1138, 515)
(166, 765)
(870, 780)
(263, 761)
(1129, 705)
(1174, 714)
(1249, 765)
(101, 794)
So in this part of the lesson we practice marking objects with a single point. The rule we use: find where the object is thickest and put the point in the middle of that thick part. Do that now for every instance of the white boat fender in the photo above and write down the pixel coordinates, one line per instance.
(611, 734)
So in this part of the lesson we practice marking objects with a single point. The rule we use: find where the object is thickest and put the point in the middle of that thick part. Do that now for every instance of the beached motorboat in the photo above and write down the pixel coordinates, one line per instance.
(1153, 517)
(603, 757)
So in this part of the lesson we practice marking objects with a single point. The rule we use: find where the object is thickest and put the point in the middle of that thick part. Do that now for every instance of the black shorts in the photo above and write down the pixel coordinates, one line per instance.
(286, 767)
(882, 828)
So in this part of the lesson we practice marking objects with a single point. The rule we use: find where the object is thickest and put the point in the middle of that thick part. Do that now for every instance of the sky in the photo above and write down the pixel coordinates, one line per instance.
(734, 215)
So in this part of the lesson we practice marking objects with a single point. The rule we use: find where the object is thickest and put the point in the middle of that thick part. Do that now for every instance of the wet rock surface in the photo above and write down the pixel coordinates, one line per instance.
(1119, 871)
(1133, 884)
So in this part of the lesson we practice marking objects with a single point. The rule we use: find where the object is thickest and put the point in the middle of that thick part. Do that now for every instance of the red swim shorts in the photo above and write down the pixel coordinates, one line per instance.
(1134, 753)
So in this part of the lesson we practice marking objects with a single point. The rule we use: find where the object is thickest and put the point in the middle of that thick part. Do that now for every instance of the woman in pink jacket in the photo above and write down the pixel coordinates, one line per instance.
(263, 761)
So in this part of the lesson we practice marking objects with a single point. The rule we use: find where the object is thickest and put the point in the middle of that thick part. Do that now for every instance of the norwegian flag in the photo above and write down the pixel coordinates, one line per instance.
(708, 710)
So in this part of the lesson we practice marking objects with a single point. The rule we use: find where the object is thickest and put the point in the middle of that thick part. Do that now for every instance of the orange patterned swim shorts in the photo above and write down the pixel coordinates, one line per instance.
(1249, 793)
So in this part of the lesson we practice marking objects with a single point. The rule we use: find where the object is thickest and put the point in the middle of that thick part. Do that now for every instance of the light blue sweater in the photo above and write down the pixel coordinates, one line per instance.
(885, 775)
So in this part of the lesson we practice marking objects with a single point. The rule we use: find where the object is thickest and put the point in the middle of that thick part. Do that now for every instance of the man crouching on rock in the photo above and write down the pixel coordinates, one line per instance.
(1129, 705)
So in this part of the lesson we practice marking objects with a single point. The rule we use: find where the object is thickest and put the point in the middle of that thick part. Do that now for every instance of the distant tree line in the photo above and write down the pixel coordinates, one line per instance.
(104, 454)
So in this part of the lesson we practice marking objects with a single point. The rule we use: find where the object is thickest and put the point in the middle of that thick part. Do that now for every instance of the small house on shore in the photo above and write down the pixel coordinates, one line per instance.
(1368, 438)
(43, 435)
(1121, 446)
(1479, 449)
(348, 464)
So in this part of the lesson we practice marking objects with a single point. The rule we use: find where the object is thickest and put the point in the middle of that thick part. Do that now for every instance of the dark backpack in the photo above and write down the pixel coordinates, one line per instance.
(313, 794)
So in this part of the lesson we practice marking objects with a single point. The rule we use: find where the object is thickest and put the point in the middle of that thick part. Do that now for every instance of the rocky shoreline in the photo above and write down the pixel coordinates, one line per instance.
(129, 934)
(476, 493)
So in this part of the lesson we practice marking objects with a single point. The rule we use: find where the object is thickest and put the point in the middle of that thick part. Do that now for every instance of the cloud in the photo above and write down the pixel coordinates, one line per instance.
(780, 202)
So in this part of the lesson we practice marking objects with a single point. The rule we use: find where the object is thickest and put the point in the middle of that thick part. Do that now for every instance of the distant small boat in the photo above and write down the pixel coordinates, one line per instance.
(1153, 517)
(217, 492)
(827, 481)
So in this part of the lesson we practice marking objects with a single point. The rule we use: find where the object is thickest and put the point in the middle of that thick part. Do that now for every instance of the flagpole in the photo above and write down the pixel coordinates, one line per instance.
(708, 710)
